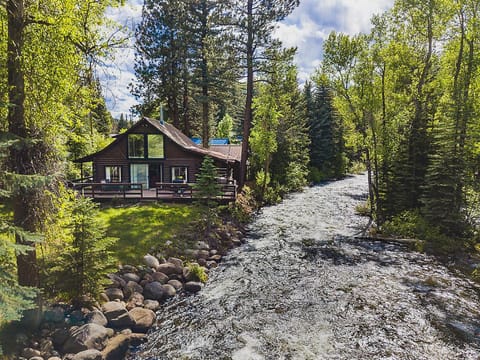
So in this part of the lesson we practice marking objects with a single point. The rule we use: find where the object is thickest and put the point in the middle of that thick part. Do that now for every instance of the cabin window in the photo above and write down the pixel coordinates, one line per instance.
(179, 174)
(136, 146)
(155, 146)
(113, 173)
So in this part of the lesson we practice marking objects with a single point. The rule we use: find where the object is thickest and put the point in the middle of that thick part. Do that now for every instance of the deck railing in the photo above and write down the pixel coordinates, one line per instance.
(162, 191)
(110, 190)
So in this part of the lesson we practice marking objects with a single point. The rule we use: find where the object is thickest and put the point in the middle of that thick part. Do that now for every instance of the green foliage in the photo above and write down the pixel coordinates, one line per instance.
(198, 272)
(411, 224)
(207, 188)
(14, 299)
(325, 130)
(245, 205)
(81, 267)
(225, 127)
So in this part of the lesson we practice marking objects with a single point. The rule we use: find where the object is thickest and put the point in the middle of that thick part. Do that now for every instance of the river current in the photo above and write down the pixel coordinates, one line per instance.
(304, 287)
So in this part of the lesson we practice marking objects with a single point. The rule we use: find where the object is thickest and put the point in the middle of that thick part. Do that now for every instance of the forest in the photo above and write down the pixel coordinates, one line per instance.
(400, 102)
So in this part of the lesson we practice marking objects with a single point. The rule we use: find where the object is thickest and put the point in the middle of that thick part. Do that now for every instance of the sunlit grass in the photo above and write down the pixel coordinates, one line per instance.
(139, 228)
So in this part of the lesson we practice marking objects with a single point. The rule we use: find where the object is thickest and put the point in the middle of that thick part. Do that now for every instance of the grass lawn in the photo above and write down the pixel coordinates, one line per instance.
(141, 227)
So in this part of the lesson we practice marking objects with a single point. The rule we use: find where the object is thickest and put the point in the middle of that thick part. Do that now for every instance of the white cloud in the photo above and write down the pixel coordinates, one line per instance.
(309, 25)
(306, 28)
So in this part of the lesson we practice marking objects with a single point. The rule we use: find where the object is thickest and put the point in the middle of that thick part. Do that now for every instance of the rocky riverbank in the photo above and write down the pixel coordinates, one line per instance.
(127, 308)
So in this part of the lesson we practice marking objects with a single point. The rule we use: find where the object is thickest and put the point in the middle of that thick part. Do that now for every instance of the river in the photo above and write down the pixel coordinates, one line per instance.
(303, 287)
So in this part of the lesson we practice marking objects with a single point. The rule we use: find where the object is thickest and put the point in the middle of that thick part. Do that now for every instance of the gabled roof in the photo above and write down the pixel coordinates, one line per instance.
(231, 150)
(173, 134)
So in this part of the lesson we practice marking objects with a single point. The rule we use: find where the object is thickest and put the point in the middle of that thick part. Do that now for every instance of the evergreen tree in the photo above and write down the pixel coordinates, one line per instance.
(325, 131)
(83, 264)
(207, 191)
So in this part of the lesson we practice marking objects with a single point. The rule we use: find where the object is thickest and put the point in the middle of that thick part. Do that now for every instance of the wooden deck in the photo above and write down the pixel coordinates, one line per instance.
(168, 192)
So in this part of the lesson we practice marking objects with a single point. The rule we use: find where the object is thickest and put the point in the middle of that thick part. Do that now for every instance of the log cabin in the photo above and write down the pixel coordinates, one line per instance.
(153, 153)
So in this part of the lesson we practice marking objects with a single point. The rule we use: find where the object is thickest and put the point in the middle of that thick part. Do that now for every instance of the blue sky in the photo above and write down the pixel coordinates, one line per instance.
(306, 28)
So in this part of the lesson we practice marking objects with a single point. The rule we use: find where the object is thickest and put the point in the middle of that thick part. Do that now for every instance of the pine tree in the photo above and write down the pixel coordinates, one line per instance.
(83, 264)
(207, 191)
(325, 131)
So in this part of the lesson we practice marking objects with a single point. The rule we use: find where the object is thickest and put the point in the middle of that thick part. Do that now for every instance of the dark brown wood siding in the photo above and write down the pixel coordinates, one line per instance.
(175, 155)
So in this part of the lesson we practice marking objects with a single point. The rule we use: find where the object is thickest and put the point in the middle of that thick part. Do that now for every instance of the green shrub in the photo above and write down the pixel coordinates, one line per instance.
(357, 167)
(296, 177)
(411, 224)
(245, 205)
(316, 176)
(198, 272)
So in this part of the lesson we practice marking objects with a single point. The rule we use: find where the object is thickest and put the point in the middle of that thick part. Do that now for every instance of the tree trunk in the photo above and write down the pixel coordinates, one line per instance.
(247, 121)
(20, 161)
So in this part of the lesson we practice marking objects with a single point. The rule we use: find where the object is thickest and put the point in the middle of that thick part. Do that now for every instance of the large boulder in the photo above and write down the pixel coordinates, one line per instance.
(160, 277)
(151, 261)
(132, 287)
(117, 314)
(136, 300)
(131, 277)
(96, 317)
(193, 286)
(118, 345)
(91, 354)
(169, 290)
(176, 284)
(114, 294)
(175, 261)
(143, 318)
(153, 305)
(85, 337)
(169, 268)
(154, 291)
(117, 281)
(30, 352)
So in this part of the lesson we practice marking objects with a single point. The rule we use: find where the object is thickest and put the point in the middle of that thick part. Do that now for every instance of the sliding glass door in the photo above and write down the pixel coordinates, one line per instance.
(139, 174)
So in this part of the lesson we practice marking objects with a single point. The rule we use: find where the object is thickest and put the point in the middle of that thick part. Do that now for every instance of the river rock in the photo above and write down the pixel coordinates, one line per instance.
(30, 352)
(114, 294)
(176, 284)
(46, 346)
(160, 277)
(118, 345)
(88, 336)
(216, 258)
(151, 261)
(132, 287)
(193, 286)
(169, 290)
(213, 252)
(91, 354)
(117, 281)
(202, 262)
(135, 300)
(154, 291)
(117, 314)
(153, 305)
(211, 264)
(60, 336)
(143, 319)
(202, 245)
(203, 254)
(36, 358)
(169, 268)
(96, 317)
(176, 261)
(131, 277)
(54, 358)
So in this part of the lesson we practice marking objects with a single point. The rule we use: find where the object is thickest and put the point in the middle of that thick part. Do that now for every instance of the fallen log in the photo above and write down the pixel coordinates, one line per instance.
(393, 240)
